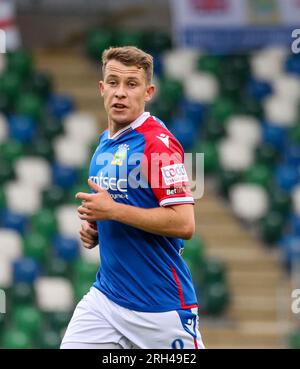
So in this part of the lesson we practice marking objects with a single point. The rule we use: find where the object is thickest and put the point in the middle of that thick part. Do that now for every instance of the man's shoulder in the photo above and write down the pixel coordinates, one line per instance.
(157, 135)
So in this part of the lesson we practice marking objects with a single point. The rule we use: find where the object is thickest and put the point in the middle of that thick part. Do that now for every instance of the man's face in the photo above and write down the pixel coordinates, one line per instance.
(125, 92)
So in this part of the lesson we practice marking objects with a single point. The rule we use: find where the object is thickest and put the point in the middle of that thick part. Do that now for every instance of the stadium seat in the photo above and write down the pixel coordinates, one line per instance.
(287, 176)
(201, 87)
(66, 247)
(85, 271)
(249, 201)
(54, 294)
(33, 171)
(281, 111)
(22, 294)
(265, 67)
(211, 157)
(36, 246)
(11, 150)
(58, 267)
(234, 155)
(25, 270)
(215, 298)
(63, 176)
(44, 221)
(97, 42)
(81, 126)
(53, 197)
(10, 245)
(22, 129)
(30, 105)
(280, 201)
(209, 64)
(60, 105)
(244, 129)
(15, 221)
(40, 84)
(22, 198)
(10, 86)
(50, 127)
(183, 130)
(20, 62)
(288, 87)
(179, 63)
(28, 320)
(266, 154)
(41, 147)
(70, 151)
(16, 339)
(259, 174)
(49, 339)
(226, 179)
(271, 227)
(290, 252)
(68, 220)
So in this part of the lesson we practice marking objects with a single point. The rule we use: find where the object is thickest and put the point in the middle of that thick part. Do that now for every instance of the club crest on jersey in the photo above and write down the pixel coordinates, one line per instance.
(120, 155)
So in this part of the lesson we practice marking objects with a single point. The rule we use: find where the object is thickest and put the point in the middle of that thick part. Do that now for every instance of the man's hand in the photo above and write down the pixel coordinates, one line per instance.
(89, 234)
(95, 206)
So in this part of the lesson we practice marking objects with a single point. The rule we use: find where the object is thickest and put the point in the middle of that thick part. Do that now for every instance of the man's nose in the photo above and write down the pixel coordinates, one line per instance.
(120, 91)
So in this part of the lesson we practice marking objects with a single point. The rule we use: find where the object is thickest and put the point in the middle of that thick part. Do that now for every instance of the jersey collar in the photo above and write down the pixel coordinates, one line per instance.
(136, 123)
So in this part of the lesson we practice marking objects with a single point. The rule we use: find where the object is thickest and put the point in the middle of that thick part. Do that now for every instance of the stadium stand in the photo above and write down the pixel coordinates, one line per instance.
(241, 111)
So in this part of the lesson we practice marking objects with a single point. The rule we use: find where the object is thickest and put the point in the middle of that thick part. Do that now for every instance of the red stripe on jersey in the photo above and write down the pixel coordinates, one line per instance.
(195, 343)
(5, 23)
(181, 298)
(154, 148)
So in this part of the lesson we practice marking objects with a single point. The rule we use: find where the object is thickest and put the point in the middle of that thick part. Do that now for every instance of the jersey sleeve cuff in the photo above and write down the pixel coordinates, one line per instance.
(176, 201)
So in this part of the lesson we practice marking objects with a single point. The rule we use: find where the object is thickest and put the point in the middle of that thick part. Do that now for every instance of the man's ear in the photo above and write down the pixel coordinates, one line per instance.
(150, 92)
(101, 87)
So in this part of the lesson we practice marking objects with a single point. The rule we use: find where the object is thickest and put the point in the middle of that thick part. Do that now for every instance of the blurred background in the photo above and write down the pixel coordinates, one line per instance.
(228, 77)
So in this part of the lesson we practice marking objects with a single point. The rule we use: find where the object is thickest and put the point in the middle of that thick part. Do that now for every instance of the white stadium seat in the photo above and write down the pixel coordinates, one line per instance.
(22, 198)
(234, 155)
(10, 244)
(265, 67)
(71, 152)
(90, 255)
(33, 171)
(201, 87)
(81, 126)
(287, 86)
(54, 294)
(281, 111)
(244, 129)
(69, 224)
(179, 63)
(249, 202)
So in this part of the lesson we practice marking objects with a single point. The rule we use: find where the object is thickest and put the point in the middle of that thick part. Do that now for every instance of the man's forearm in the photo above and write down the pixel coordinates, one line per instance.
(161, 221)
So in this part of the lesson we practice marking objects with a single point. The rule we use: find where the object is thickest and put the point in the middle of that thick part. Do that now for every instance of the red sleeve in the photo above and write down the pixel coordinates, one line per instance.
(164, 165)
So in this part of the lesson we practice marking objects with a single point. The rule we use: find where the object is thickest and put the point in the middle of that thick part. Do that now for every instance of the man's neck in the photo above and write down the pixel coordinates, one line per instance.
(114, 127)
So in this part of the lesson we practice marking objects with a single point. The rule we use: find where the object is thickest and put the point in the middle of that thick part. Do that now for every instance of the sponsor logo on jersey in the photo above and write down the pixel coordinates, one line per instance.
(176, 190)
(164, 138)
(110, 183)
(175, 173)
(120, 155)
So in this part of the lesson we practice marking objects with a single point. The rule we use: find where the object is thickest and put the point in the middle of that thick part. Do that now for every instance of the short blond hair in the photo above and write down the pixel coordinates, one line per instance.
(130, 56)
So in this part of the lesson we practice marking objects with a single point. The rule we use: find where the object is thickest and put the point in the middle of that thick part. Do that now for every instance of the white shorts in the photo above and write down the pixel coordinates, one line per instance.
(97, 320)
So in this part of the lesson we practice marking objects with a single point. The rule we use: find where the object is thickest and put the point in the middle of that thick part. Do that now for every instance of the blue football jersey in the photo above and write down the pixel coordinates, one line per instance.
(139, 270)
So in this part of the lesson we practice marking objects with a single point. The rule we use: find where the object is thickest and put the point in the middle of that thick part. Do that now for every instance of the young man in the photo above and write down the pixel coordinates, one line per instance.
(139, 212)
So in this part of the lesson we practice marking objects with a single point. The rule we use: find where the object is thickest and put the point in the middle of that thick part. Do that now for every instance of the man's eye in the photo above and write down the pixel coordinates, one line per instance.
(132, 84)
(112, 83)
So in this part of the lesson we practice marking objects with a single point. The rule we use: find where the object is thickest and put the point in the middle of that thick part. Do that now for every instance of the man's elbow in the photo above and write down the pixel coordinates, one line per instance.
(188, 231)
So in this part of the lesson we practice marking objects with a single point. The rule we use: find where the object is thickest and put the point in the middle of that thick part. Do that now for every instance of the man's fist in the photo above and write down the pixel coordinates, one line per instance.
(89, 234)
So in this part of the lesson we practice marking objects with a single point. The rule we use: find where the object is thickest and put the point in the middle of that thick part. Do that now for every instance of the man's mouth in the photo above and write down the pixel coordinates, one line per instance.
(119, 106)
